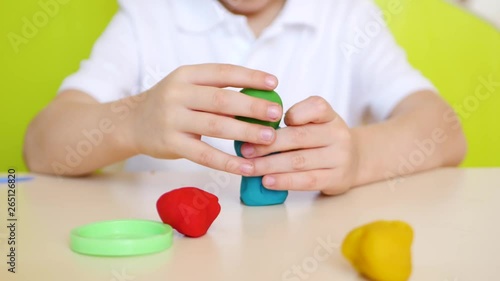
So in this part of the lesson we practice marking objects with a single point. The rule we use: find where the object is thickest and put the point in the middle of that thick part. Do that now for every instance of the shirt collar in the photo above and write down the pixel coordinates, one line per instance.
(299, 13)
(203, 15)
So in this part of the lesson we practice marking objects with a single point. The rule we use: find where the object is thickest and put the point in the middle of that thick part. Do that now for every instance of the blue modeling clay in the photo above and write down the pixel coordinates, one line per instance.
(253, 193)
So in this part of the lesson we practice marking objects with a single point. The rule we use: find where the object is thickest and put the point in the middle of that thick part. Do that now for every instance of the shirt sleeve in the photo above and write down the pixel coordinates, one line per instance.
(111, 72)
(382, 74)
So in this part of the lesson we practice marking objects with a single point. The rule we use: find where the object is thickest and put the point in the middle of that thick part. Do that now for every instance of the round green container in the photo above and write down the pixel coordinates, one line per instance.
(121, 238)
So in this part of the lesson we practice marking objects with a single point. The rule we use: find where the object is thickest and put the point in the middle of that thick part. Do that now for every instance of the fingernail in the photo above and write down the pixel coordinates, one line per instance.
(267, 134)
(271, 81)
(273, 112)
(269, 181)
(247, 150)
(246, 169)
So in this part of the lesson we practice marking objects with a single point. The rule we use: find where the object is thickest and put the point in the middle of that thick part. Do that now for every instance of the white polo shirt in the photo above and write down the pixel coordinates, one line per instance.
(338, 49)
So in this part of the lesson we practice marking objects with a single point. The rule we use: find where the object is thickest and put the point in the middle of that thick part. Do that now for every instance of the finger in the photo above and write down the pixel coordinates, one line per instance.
(227, 75)
(213, 125)
(300, 181)
(204, 154)
(227, 102)
(295, 161)
(292, 138)
(311, 110)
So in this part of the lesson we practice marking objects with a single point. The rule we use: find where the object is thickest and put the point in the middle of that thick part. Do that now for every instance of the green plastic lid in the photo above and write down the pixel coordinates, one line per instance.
(121, 238)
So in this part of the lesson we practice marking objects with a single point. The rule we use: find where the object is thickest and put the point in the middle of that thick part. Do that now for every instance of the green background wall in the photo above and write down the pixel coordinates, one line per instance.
(31, 75)
(450, 46)
(457, 51)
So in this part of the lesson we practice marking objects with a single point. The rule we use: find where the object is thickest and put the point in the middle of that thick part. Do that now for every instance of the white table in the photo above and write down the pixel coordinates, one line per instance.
(455, 214)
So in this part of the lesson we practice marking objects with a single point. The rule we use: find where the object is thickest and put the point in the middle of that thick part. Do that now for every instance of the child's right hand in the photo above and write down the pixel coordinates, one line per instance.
(171, 117)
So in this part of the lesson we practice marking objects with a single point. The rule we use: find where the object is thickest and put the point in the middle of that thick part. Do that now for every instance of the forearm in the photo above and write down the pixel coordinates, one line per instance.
(76, 136)
(421, 134)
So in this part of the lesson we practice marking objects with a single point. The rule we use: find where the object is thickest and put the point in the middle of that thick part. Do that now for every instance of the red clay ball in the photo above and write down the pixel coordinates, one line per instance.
(188, 210)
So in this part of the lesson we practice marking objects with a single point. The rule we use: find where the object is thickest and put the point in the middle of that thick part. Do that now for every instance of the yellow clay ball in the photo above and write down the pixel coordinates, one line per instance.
(381, 251)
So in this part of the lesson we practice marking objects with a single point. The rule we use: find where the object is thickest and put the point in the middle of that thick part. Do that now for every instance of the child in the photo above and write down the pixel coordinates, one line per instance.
(161, 84)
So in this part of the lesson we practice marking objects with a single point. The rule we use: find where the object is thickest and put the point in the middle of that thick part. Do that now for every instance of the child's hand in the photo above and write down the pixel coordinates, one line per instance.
(171, 117)
(317, 151)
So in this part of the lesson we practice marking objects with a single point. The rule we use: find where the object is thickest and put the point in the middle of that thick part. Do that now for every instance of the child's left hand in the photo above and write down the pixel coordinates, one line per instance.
(318, 151)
